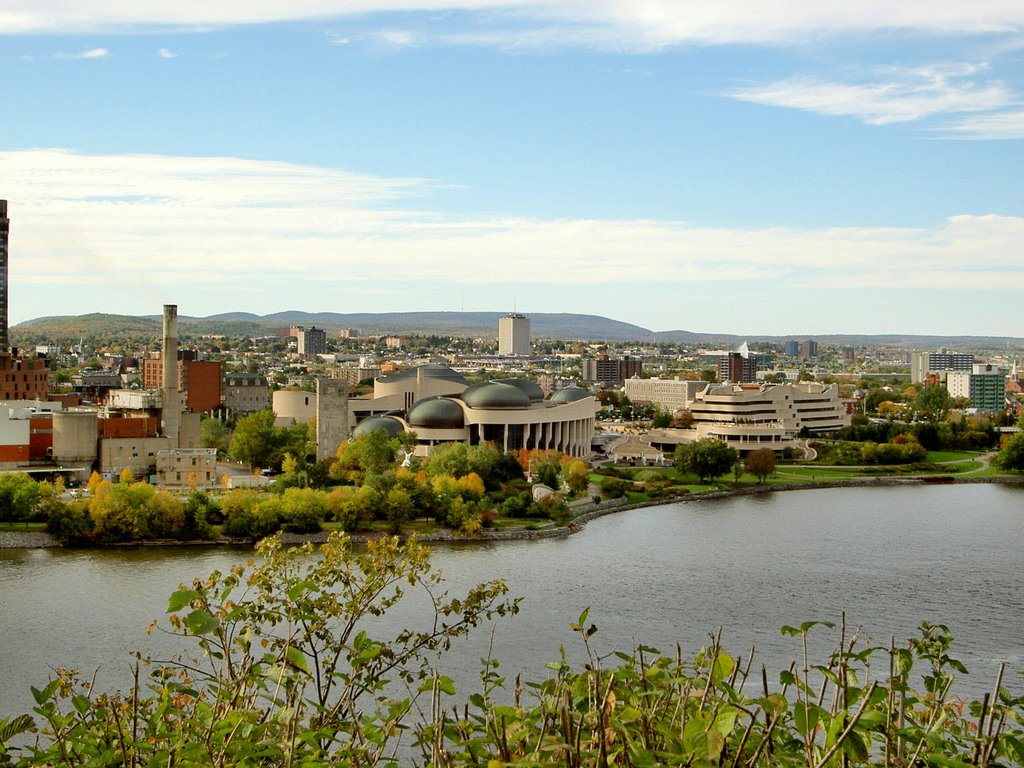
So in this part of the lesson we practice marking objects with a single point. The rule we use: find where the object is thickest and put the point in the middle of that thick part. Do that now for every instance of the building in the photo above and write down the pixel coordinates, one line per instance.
(246, 393)
(310, 342)
(984, 385)
(514, 335)
(294, 406)
(187, 468)
(669, 395)
(610, 370)
(348, 333)
(5, 231)
(21, 378)
(738, 366)
(808, 349)
(792, 348)
(200, 380)
(749, 417)
(922, 364)
(440, 406)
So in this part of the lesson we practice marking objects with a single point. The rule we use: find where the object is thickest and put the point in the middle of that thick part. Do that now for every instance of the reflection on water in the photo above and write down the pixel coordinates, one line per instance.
(889, 557)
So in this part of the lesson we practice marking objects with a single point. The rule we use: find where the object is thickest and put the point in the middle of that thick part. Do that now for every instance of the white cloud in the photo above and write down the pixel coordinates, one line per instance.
(92, 53)
(901, 95)
(994, 127)
(166, 53)
(115, 225)
(644, 24)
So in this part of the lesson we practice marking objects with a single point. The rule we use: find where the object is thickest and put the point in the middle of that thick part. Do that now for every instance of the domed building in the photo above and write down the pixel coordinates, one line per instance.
(440, 406)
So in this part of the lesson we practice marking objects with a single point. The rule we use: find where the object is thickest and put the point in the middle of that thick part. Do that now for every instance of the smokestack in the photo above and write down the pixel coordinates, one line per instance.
(170, 418)
(5, 229)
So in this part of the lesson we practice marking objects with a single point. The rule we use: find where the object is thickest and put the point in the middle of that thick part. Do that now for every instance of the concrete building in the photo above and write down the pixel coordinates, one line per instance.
(923, 365)
(792, 348)
(438, 405)
(610, 370)
(293, 406)
(669, 395)
(187, 468)
(749, 417)
(514, 335)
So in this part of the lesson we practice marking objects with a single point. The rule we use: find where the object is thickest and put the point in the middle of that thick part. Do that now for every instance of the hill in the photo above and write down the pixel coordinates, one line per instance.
(563, 325)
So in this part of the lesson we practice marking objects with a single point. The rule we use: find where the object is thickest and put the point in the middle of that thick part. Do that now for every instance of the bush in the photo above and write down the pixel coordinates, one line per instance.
(613, 488)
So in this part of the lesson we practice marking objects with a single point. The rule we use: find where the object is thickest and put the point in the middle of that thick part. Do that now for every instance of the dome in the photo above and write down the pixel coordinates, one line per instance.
(389, 424)
(431, 371)
(531, 388)
(436, 413)
(569, 395)
(494, 395)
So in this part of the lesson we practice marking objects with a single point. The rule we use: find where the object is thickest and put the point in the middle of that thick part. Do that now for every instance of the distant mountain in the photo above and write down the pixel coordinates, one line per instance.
(485, 324)
(567, 326)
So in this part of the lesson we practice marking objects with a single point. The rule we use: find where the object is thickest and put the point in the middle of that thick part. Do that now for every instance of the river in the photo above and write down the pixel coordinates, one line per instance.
(890, 557)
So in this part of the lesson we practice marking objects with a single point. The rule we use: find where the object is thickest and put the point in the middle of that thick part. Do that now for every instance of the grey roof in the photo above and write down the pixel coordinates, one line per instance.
(494, 395)
(436, 413)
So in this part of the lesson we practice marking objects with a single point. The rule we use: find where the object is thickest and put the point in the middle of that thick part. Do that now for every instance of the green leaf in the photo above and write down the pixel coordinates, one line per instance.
(46, 694)
(296, 658)
(200, 622)
(180, 599)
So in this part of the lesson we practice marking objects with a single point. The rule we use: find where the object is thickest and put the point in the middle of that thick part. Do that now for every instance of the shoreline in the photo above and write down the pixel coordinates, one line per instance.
(42, 540)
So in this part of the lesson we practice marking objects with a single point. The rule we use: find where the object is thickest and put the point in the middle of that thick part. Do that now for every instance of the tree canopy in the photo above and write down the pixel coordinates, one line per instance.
(707, 458)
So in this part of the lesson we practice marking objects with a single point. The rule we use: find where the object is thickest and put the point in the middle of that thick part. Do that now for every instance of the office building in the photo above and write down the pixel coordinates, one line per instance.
(984, 385)
(610, 370)
(924, 363)
(514, 335)
(310, 342)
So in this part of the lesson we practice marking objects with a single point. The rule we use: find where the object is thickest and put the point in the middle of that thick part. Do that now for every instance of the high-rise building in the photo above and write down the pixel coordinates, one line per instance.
(311, 342)
(737, 368)
(514, 335)
(924, 363)
(5, 229)
(610, 370)
(808, 349)
(21, 378)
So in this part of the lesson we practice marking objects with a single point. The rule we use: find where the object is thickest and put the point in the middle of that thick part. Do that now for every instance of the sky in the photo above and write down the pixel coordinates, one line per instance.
(796, 167)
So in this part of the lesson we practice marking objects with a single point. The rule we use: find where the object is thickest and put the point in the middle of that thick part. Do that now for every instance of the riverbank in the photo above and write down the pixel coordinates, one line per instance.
(41, 540)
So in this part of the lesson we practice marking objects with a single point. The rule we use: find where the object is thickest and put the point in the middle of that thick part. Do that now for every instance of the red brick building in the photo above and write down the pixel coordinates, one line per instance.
(200, 380)
(23, 378)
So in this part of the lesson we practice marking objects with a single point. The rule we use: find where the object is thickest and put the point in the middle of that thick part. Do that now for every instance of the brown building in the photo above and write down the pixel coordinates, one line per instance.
(610, 370)
(200, 380)
(23, 378)
(737, 368)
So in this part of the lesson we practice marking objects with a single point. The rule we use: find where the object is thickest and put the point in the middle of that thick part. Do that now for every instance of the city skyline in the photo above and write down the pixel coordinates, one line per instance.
(716, 169)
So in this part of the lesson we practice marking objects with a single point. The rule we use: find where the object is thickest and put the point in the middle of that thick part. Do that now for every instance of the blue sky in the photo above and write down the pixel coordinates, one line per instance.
(742, 167)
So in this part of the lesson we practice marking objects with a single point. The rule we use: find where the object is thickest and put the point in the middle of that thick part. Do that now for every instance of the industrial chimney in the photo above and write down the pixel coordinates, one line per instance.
(170, 416)
(5, 228)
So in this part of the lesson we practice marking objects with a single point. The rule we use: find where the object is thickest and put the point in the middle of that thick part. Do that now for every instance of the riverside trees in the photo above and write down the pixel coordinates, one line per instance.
(707, 458)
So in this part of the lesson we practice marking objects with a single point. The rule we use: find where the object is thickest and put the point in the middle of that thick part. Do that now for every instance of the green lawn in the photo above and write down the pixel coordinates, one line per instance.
(938, 456)
(22, 527)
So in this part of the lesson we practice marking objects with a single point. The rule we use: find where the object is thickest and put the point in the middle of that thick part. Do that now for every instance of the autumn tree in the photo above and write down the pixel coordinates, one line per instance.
(1011, 458)
(760, 463)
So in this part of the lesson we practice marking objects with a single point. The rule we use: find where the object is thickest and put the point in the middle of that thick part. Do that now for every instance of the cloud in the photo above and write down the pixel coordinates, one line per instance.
(647, 25)
(119, 225)
(1002, 126)
(897, 96)
(92, 53)
(165, 53)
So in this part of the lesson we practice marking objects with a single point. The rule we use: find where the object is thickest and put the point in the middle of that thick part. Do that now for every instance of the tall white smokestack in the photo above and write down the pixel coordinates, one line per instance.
(170, 418)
